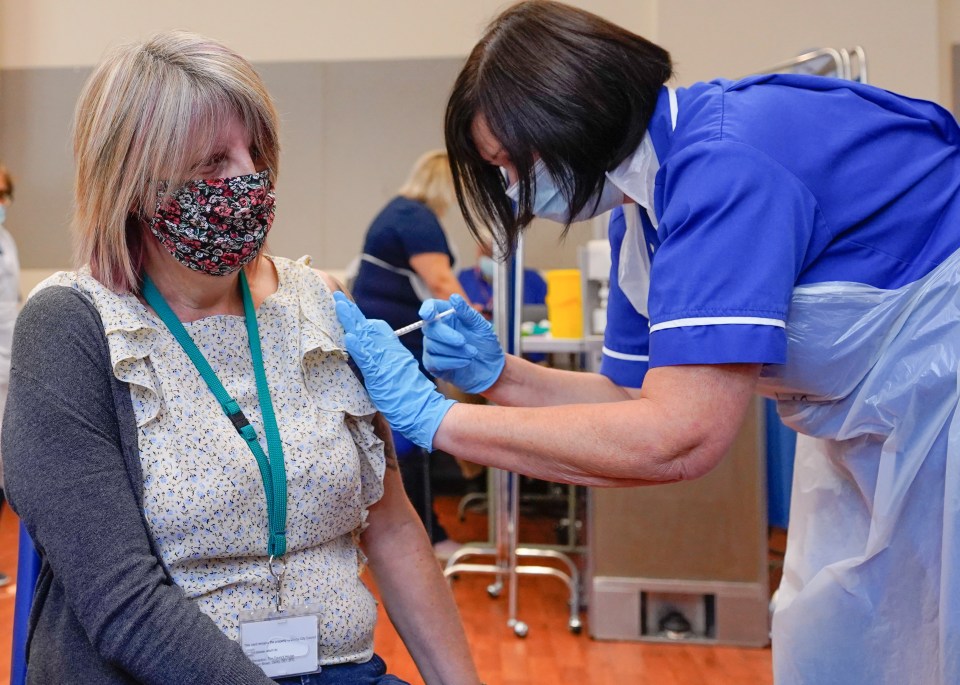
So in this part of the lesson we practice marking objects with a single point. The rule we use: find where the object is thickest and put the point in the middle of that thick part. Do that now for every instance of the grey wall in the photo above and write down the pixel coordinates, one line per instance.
(955, 73)
(36, 111)
(350, 132)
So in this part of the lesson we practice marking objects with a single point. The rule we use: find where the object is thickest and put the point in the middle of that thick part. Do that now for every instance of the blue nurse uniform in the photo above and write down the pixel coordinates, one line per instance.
(812, 225)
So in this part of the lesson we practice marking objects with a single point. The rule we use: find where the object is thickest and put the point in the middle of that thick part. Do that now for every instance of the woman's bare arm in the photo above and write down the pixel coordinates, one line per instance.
(414, 591)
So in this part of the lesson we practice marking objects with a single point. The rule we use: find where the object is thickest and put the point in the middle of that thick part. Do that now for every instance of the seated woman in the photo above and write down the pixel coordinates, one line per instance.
(185, 442)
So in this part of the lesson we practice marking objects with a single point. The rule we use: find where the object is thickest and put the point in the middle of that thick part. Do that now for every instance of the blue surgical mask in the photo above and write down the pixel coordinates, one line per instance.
(486, 265)
(3, 213)
(549, 202)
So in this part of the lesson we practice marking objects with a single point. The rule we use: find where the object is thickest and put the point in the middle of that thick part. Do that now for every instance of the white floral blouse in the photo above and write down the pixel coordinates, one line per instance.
(203, 495)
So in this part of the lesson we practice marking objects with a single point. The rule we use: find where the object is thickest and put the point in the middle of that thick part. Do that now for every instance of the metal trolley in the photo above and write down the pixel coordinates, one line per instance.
(849, 64)
(508, 557)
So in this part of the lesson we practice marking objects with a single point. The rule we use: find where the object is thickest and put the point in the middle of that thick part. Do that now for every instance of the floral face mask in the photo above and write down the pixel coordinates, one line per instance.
(215, 226)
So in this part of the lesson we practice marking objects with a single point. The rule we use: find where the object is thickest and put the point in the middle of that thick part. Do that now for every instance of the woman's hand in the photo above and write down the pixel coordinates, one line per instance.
(461, 349)
(407, 398)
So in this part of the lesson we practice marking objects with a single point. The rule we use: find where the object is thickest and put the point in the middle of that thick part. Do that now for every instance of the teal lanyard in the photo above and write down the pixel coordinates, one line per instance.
(271, 470)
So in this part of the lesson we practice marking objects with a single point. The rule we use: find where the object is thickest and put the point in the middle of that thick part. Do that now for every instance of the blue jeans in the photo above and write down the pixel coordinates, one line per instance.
(373, 672)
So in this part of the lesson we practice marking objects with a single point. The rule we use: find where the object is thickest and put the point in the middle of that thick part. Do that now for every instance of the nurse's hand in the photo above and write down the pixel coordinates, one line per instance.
(461, 349)
(407, 398)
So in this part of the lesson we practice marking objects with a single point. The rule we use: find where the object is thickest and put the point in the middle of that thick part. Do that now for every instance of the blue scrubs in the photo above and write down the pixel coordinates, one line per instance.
(480, 292)
(772, 182)
(812, 225)
(404, 228)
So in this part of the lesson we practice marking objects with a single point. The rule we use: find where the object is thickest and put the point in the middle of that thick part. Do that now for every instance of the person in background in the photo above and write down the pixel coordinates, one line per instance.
(742, 264)
(407, 259)
(477, 281)
(9, 303)
(186, 443)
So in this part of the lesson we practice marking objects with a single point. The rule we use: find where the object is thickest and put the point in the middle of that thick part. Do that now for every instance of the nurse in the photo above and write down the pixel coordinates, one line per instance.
(794, 236)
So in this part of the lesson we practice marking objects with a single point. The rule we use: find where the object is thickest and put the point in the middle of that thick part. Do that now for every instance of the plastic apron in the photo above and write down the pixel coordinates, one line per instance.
(870, 591)
(420, 288)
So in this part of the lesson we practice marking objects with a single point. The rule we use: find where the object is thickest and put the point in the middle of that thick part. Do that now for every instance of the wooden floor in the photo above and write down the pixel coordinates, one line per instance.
(550, 654)
(8, 564)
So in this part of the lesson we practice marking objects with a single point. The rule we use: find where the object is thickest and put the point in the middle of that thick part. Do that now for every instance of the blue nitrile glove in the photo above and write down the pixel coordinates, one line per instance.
(462, 348)
(407, 399)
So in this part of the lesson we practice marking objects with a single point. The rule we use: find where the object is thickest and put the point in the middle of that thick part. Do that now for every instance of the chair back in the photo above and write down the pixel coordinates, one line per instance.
(28, 569)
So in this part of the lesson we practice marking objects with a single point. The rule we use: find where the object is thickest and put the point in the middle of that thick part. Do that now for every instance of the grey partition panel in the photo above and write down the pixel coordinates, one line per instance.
(36, 115)
(298, 92)
(350, 132)
(699, 546)
(381, 117)
(955, 78)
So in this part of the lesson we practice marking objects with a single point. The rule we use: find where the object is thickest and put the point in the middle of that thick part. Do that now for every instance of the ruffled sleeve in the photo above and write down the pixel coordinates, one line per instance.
(328, 375)
(131, 337)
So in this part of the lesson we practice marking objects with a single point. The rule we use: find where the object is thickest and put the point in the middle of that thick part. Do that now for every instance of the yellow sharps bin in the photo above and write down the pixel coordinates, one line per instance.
(564, 303)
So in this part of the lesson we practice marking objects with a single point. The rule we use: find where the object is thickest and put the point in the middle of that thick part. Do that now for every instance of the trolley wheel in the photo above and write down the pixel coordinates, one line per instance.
(520, 629)
(575, 625)
(494, 590)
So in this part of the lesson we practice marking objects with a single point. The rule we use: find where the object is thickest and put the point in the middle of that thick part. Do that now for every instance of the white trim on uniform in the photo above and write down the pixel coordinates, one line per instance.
(420, 288)
(624, 356)
(673, 108)
(718, 321)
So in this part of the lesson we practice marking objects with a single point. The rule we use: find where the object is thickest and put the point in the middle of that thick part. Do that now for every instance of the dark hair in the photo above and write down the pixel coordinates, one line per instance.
(556, 82)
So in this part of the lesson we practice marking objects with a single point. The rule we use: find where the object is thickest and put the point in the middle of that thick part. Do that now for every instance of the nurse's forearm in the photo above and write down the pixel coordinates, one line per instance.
(679, 428)
(524, 384)
(565, 444)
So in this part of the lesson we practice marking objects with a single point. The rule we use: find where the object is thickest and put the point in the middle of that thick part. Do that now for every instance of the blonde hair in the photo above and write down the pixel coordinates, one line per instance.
(146, 119)
(5, 175)
(430, 181)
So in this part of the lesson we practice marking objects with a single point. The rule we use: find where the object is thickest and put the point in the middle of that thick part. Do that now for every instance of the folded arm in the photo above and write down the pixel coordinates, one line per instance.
(678, 427)
(581, 429)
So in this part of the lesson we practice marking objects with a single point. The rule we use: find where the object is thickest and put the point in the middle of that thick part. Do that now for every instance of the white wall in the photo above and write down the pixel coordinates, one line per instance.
(908, 43)
(731, 39)
(54, 33)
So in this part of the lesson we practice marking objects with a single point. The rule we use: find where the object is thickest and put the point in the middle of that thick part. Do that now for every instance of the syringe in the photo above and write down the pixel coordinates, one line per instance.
(420, 324)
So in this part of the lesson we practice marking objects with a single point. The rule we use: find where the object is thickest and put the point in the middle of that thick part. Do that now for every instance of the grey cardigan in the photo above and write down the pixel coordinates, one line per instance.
(106, 609)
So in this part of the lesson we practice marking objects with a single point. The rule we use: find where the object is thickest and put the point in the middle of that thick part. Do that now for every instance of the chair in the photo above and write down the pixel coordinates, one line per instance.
(28, 569)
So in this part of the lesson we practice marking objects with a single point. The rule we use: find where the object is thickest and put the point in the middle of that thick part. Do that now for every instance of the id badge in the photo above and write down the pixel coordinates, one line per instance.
(282, 644)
